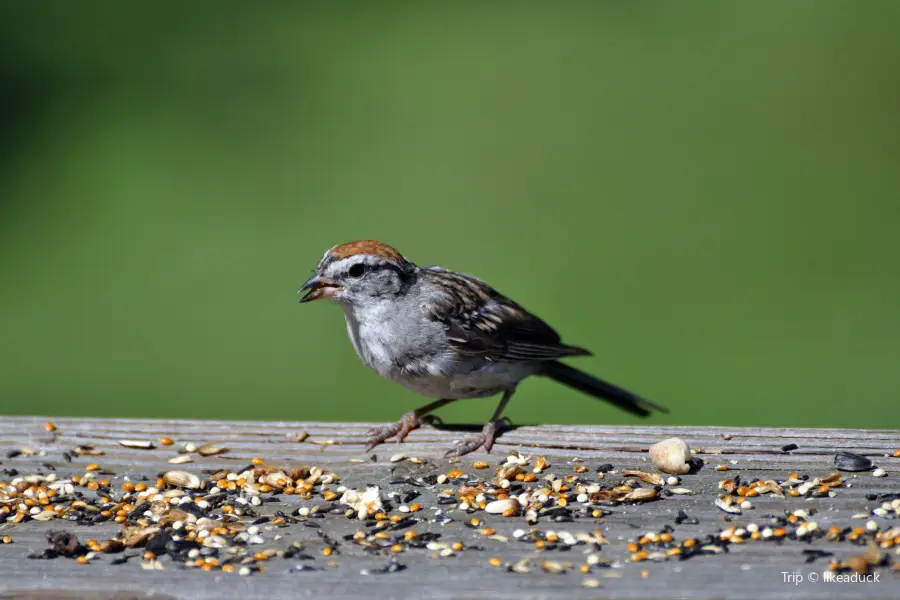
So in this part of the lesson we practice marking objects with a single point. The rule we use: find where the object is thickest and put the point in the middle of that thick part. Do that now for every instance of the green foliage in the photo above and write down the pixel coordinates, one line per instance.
(705, 194)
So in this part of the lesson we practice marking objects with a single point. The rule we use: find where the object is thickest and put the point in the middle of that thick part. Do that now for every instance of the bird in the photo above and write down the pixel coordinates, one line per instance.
(446, 336)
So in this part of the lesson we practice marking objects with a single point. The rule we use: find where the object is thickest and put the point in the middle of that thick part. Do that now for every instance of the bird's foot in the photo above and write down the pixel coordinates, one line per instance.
(400, 429)
(486, 439)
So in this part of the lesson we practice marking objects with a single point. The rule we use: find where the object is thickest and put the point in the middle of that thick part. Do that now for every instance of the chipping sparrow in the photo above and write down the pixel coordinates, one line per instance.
(445, 335)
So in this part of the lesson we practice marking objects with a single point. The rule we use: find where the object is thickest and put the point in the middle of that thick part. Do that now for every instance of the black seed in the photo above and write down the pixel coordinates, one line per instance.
(789, 447)
(605, 468)
(849, 461)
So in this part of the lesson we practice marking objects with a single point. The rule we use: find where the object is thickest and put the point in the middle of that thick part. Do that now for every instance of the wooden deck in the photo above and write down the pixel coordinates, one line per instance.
(579, 549)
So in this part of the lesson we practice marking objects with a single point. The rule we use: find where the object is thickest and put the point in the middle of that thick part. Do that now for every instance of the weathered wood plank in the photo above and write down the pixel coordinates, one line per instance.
(751, 569)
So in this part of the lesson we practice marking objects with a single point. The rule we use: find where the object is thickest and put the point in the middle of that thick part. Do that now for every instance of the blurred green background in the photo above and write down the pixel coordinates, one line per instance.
(705, 194)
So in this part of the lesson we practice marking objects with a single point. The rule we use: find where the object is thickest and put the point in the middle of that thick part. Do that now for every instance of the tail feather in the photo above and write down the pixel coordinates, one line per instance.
(598, 388)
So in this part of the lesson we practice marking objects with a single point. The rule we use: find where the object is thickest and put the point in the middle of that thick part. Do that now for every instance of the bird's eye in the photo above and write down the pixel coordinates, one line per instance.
(357, 270)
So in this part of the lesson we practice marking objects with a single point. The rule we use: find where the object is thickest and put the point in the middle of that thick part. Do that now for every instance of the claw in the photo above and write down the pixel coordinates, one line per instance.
(486, 439)
(401, 429)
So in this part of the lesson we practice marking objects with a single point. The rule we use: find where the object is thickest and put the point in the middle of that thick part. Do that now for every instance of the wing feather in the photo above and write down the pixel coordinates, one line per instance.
(482, 322)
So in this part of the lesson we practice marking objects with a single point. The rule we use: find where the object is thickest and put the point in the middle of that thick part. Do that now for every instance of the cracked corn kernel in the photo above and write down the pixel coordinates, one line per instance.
(6, 539)
(457, 547)
(666, 537)
(50, 427)
(645, 574)
(140, 487)
(128, 487)
(488, 531)
(896, 453)
(415, 507)
(689, 543)
(779, 532)
(257, 461)
(639, 556)
(634, 547)
(166, 440)
(396, 548)
(495, 561)
(82, 560)
(228, 568)
(410, 535)
(329, 496)
(581, 469)
(722, 468)
(455, 473)
(480, 464)
(327, 551)
(529, 477)
(92, 467)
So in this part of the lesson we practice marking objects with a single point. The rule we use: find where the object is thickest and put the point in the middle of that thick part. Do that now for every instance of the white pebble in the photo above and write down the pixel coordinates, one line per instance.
(245, 571)
(442, 479)
(767, 532)
(404, 509)
(447, 552)
(746, 505)
(255, 501)
(879, 472)
(582, 498)
(501, 506)
(252, 530)
(593, 559)
(802, 531)
(519, 533)
(673, 480)
(752, 527)
(871, 526)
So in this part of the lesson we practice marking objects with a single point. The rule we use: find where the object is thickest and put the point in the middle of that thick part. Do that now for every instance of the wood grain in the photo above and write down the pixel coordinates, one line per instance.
(750, 570)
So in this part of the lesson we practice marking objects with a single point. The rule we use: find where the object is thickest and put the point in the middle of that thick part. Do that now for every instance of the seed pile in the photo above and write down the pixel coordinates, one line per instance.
(237, 520)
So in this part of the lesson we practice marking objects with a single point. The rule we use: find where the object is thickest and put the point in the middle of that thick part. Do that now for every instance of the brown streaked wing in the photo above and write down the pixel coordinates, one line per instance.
(481, 321)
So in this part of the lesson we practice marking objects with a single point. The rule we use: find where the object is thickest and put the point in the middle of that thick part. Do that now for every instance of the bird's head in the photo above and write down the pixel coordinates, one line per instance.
(359, 272)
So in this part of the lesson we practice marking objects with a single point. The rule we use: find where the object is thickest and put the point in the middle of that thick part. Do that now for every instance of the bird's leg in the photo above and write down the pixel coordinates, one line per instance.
(401, 428)
(488, 432)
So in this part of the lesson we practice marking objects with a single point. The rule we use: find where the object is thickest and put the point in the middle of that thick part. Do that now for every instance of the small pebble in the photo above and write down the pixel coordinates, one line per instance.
(398, 457)
(871, 526)
(746, 505)
(879, 472)
(673, 480)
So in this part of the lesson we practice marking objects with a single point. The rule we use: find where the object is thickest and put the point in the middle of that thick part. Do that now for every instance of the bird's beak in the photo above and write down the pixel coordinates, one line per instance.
(316, 288)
